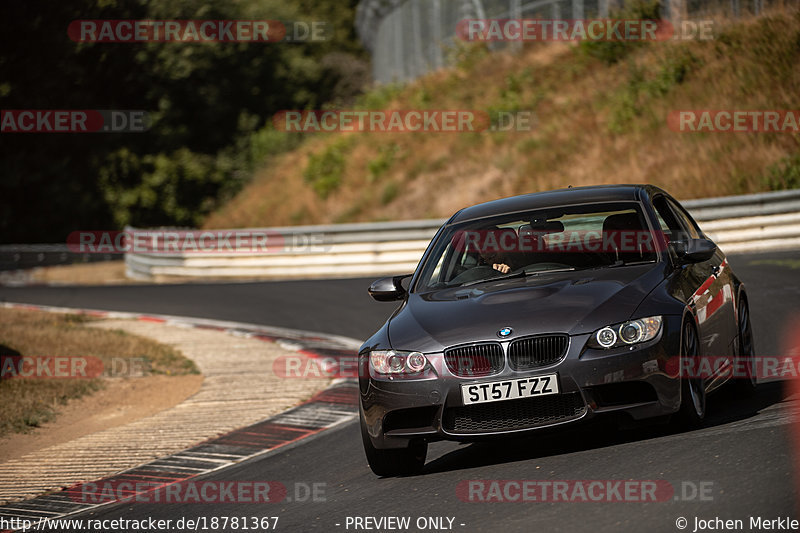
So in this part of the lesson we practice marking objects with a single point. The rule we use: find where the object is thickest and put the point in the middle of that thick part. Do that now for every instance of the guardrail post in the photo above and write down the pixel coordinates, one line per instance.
(677, 13)
(515, 9)
(577, 9)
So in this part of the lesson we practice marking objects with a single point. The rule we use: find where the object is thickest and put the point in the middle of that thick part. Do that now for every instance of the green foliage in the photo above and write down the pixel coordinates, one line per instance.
(775, 37)
(643, 86)
(529, 144)
(673, 70)
(626, 104)
(466, 55)
(268, 142)
(299, 216)
(389, 193)
(611, 52)
(422, 97)
(180, 187)
(379, 97)
(383, 162)
(512, 93)
(783, 175)
(350, 213)
(210, 103)
(325, 169)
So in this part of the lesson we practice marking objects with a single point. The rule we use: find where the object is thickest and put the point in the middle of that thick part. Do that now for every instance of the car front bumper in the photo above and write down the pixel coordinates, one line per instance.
(641, 381)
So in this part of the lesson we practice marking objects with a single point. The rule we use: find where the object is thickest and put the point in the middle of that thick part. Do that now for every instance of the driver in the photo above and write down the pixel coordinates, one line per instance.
(495, 260)
(499, 253)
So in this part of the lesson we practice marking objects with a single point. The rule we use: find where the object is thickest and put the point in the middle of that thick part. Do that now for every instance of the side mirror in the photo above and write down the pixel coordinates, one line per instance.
(695, 250)
(388, 289)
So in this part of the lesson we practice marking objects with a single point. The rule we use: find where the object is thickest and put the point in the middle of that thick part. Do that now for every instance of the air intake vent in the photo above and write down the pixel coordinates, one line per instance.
(513, 415)
(534, 352)
(475, 360)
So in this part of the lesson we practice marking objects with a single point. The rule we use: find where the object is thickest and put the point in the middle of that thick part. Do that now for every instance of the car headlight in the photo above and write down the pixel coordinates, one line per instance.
(626, 333)
(397, 362)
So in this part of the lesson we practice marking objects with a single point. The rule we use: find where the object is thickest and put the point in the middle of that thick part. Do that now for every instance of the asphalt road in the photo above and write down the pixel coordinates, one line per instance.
(340, 307)
(740, 465)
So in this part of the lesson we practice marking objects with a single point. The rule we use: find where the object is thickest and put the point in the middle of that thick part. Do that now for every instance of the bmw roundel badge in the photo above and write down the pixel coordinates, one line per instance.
(505, 332)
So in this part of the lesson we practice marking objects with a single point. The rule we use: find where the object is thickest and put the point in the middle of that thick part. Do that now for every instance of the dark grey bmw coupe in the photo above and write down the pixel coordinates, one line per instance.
(549, 309)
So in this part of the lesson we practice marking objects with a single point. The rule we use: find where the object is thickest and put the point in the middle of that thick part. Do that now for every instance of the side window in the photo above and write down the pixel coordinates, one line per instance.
(662, 223)
(437, 273)
(687, 222)
(673, 230)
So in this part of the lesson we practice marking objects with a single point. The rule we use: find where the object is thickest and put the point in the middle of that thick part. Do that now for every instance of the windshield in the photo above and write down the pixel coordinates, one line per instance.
(538, 242)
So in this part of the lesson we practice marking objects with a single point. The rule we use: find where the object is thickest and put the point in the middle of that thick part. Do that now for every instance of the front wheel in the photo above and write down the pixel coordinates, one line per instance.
(394, 462)
(693, 392)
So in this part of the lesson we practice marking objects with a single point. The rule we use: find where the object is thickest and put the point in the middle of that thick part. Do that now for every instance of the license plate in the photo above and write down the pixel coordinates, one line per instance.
(510, 389)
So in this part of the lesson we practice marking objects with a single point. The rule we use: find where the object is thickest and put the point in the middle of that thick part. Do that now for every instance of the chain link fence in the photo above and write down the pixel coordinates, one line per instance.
(409, 38)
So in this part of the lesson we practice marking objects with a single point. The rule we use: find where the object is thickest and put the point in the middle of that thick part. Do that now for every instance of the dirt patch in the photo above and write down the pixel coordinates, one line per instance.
(120, 402)
(102, 273)
(113, 273)
(32, 394)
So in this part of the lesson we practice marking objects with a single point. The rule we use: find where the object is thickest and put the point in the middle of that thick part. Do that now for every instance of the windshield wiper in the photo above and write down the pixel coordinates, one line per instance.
(620, 262)
(548, 270)
(520, 274)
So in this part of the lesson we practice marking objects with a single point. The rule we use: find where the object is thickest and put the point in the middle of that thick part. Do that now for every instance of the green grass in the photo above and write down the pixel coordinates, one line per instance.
(27, 403)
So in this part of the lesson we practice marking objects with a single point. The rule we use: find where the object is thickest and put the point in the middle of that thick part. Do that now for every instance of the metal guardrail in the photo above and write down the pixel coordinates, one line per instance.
(754, 222)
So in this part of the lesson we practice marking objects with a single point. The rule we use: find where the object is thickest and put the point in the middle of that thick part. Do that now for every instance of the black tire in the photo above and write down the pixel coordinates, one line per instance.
(745, 384)
(693, 394)
(394, 462)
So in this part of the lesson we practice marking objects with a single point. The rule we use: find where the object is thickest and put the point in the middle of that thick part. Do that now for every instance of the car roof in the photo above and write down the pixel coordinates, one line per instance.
(558, 197)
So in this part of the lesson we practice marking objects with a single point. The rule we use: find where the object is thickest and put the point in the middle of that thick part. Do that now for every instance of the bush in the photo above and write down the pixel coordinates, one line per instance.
(611, 52)
(389, 193)
(269, 142)
(324, 170)
(784, 175)
(643, 86)
(382, 163)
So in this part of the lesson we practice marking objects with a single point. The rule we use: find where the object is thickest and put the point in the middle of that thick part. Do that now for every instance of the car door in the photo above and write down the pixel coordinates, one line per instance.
(709, 282)
(721, 305)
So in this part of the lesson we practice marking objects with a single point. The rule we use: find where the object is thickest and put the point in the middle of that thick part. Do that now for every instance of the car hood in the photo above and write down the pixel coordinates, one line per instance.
(570, 302)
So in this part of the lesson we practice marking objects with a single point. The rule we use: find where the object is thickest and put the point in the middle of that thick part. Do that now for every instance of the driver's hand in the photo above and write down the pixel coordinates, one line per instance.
(501, 267)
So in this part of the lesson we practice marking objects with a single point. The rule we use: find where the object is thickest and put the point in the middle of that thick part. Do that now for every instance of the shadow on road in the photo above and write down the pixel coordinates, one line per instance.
(724, 407)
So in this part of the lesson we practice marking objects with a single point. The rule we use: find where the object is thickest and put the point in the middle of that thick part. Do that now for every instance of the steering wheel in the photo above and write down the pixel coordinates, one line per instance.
(537, 267)
(474, 274)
